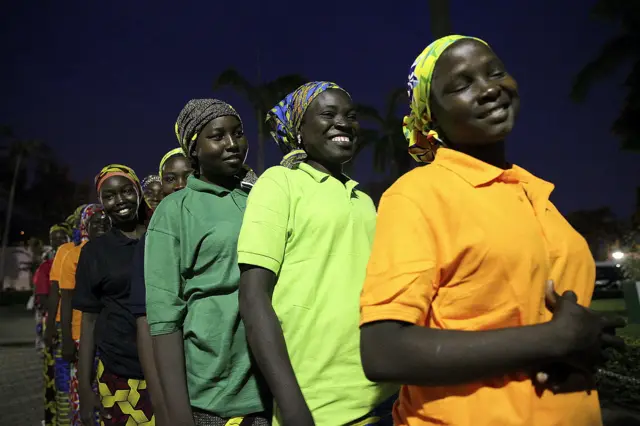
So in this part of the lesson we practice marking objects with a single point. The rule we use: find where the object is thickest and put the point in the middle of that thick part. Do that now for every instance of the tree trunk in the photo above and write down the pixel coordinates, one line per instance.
(260, 164)
(7, 221)
(439, 18)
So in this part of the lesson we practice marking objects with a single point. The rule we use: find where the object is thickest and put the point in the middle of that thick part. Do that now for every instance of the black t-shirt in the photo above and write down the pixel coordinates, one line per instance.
(137, 299)
(103, 284)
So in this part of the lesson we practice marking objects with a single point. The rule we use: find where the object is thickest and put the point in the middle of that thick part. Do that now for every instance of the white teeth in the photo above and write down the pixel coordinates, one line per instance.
(123, 211)
(340, 139)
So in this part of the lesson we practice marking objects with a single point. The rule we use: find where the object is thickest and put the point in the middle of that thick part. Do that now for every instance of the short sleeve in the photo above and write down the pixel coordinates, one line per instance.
(56, 268)
(165, 304)
(85, 298)
(399, 284)
(68, 270)
(263, 235)
(137, 297)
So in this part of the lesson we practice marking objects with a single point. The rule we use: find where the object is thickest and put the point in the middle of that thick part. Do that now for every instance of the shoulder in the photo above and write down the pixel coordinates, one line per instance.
(418, 183)
(277, 174)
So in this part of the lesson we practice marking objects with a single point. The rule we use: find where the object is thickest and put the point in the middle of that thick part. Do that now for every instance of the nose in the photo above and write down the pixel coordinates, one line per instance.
(341, 122)
(232, 143)
(490, 92)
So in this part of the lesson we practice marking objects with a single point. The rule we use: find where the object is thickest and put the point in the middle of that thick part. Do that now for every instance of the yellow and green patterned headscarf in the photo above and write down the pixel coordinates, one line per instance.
(417, 126)
(117, 170)
(173, 152)
(60, 227)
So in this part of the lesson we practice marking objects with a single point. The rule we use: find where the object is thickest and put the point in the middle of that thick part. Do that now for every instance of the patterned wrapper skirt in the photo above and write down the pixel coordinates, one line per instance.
(74, 397)
(379, 416)
(202, 418)
(127, 401)
(63, 382)
(49, 383)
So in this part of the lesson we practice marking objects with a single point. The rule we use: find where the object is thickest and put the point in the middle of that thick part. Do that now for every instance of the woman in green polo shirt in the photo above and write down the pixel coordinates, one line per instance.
(191, 276)
(303, 251)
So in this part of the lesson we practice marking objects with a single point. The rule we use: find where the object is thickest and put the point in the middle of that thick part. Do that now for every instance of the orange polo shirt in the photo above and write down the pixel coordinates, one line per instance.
(68, 282)
(463, 245)
(56, 268)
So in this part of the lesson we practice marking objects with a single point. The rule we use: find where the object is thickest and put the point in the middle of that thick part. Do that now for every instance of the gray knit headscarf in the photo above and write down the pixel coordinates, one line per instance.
(194, 116)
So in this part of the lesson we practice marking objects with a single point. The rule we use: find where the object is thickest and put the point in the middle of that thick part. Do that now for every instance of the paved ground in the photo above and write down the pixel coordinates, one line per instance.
(20, 370)
(21, 375)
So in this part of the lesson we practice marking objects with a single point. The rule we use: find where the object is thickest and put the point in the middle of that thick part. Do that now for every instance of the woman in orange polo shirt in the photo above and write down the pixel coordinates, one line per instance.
(453, 305)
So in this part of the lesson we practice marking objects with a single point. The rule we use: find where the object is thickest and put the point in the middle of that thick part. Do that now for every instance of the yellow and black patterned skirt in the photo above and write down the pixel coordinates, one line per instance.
(126, 401)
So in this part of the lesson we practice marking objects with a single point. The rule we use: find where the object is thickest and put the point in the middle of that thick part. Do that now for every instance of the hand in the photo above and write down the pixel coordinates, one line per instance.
(583, 332)
(49, 335)
(563, 378)
(69, 352)
(89, 403)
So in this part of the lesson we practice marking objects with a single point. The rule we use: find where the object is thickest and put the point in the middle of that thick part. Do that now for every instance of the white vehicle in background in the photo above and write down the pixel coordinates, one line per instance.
(609, 275)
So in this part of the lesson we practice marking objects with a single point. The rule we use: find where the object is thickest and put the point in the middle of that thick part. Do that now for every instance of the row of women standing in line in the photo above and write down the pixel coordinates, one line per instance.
(457, 303)
(58, 326)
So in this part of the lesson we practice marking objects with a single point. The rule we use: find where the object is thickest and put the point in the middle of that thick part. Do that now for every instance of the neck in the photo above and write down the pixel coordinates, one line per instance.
(227, 182)
(334, 170)
(131, 229)
(493, 153)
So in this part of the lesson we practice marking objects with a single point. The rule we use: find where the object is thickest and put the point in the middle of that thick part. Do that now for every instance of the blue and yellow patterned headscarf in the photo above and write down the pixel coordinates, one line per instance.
(286, 117)
(417, 126)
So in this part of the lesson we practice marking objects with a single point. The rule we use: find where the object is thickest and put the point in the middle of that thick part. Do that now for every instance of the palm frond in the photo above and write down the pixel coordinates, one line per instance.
(612, 55)
(397, 97)
(232, 78)
(370, 113)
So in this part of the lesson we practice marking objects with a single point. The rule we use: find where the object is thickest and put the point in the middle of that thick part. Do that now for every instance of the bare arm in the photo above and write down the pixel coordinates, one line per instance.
(66, 314)
(168, 351)
(409, 354)
(87, 351)
(145, 352)
(52, 310)
(268, 344)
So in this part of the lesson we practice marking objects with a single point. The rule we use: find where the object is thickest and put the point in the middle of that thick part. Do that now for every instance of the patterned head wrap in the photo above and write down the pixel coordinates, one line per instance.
(60, 227)
(87, 213)
(73, 221)
(417, 126)
(172, 153)
(286, 117)
(149, 180)
(194, 116)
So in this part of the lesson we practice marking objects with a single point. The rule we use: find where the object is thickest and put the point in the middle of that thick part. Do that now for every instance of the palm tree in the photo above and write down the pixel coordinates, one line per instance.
(389, 146)
(262, 97)
(18, 152)
(439, 18)
(617, 52)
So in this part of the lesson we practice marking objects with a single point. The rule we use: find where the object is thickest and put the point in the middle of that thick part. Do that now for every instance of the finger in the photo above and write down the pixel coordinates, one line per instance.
(550, 295)
(613, 321)
(570, 295)
(613, 341)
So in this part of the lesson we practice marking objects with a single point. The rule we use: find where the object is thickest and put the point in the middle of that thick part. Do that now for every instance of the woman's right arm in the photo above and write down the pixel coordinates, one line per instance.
(85, 300)
(52, 310)
(166, 310)
(268, 346)
(397, 297)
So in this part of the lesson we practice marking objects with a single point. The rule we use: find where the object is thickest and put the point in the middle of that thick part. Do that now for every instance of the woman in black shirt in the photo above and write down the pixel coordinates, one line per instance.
(103, 283)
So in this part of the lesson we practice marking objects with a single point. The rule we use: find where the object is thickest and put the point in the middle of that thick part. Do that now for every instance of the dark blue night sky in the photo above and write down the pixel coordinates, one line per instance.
(104, 83)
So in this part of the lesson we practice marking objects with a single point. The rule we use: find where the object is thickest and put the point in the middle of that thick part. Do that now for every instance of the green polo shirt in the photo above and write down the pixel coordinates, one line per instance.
(191, 277)
(315, 233)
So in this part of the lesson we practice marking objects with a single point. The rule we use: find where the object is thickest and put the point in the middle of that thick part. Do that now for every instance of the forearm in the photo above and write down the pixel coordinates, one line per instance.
(269, 348)
(145, 352)
(168, 353)
(87, 350)
(66, 314)
(408, 354)
(52, 305)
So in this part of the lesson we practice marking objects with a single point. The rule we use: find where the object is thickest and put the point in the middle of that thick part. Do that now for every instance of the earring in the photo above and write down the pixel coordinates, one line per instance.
(299, 140)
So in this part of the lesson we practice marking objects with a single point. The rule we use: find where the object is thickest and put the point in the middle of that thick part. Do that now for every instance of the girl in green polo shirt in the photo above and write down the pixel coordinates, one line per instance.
(303, 251)
(191, 276)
